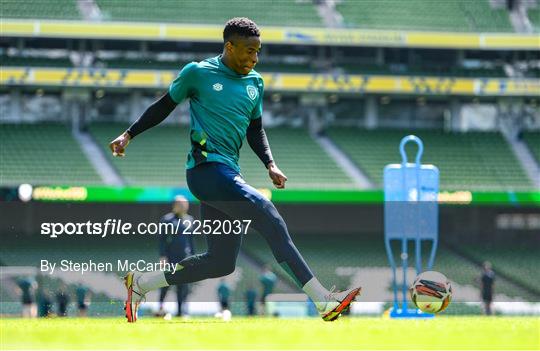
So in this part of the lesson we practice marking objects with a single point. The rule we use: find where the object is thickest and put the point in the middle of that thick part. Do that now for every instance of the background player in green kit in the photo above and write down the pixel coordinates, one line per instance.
(225, 95)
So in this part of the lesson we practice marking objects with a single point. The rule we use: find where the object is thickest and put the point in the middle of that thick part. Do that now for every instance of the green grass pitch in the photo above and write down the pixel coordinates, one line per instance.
(449, 333)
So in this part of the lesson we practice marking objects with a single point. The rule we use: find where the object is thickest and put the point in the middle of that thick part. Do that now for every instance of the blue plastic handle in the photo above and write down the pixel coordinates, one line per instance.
(419, 153)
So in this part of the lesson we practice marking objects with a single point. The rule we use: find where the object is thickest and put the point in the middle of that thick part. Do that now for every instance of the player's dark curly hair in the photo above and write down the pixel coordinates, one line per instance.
(241, 26)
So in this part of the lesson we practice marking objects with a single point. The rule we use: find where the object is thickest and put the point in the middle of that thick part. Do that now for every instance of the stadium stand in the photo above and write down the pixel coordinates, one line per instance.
(140, 64)
(264, 66)
(299, 157)
(155, 159)
(41, 9)
(28, 252)
(533, 141)
(177, 65)
(476, 160)
(455, 15)
(332, 264)
(165, 149)
(158, 158)
(427, 69)
(534, 17)
(521, 263)
(44, 153)
(281, 12)
(20, 61)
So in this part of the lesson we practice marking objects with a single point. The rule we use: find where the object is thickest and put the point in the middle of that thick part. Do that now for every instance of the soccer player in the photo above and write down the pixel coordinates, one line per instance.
(224, 293)
(487, 281)
(27, 286)
(268, 280)
(226, 95)
(83, 299)
(173, 248)
(62, 298)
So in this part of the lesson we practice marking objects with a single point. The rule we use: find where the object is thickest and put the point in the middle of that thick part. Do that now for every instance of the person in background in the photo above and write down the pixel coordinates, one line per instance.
(43, 298)
(487, 281)
(251, 298)
(62, 298)
(224, 293)
(173, 248)
(268, 281)
(83, 299)
(27, 286)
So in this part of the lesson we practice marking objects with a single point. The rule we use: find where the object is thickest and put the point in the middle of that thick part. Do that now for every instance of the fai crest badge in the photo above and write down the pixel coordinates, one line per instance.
(252, 92)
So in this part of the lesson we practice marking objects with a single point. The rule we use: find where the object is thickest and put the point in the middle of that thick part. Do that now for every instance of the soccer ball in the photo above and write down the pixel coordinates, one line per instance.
(431, 292)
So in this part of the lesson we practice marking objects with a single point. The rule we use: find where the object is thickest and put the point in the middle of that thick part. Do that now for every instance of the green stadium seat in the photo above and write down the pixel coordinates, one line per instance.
(467, 161)
(534, 17)
(299, 157)
(533, 141)
(41, 9)
(277, 13)
(455, 15)
(43, 154)
(157, 158)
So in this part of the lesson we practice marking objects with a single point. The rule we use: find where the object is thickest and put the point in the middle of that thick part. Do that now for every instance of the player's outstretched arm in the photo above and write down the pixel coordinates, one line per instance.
(258, 142)
(153, 115)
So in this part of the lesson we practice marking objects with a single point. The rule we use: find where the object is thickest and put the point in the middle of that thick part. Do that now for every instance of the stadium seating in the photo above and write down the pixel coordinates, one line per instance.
(43, 154)
(534, 17)
(42, 9)
(329, 256)
(158, 158)
(533, 141)
(263, 67)
(521, 262)
(172, 65)
(475, 161)
(299, 157)
(468, 165)
(357, 251)
(282, 12)
(29, 253)
(268, 67)
(177, 65)
(155, 159)
(140, 64)
(456, 15)
(427, 69)
(20, 61)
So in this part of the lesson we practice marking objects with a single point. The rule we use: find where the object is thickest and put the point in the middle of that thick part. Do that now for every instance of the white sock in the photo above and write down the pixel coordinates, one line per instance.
(151, 281)
(316, 292)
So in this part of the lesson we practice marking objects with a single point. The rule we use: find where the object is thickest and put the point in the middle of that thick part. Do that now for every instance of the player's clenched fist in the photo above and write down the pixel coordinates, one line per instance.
(277, 176)
(118, 145)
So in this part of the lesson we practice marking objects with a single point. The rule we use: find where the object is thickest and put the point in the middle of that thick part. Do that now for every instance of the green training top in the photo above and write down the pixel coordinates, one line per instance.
(222, 104)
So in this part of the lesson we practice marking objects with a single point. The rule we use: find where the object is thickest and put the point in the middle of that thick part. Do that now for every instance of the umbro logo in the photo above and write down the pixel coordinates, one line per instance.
(218, 87)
